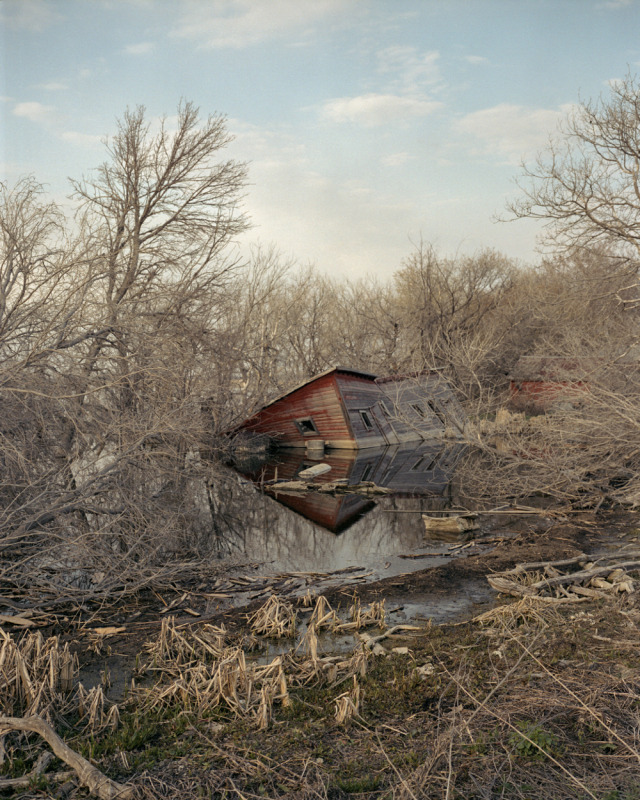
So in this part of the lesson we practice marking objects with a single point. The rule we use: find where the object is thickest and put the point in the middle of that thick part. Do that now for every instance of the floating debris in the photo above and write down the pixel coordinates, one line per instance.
(454, 524)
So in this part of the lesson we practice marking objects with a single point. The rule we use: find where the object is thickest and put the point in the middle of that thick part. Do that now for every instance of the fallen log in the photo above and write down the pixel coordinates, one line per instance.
(27, 780)
(90, 776)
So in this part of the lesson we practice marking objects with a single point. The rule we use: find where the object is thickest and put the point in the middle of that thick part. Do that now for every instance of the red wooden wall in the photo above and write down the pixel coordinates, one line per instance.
(318, 400)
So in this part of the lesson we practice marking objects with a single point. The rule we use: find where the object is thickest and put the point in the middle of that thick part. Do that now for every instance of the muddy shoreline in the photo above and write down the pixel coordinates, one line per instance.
(406, 595)
(523, 699)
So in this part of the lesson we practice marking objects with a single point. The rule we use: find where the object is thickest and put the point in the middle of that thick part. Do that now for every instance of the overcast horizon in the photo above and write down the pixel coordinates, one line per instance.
(366, 124)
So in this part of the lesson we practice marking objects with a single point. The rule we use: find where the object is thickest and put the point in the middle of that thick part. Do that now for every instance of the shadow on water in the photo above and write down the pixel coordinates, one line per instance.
(314, 532)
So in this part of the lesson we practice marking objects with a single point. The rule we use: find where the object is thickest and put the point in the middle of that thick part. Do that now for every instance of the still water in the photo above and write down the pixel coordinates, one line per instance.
(313, 532)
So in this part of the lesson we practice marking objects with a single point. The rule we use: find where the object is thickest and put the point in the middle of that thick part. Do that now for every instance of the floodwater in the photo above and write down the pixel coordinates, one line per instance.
(347, 537)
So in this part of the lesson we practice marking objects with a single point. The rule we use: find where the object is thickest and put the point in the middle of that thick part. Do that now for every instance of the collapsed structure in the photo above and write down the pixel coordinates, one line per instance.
(345, 408)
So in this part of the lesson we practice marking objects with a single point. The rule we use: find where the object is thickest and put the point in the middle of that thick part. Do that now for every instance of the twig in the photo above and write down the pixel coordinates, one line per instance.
(579, 700)
(25, 780)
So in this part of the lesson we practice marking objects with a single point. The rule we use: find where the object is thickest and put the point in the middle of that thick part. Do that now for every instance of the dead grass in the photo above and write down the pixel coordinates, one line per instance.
(528, 701)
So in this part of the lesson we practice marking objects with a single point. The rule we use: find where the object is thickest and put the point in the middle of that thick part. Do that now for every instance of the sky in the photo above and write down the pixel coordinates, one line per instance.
(367, 125)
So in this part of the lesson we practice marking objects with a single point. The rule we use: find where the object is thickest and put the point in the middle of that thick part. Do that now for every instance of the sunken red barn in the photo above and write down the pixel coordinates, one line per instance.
(349, 409)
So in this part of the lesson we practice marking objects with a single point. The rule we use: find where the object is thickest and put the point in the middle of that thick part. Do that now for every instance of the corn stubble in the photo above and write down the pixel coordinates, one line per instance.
(202, 672)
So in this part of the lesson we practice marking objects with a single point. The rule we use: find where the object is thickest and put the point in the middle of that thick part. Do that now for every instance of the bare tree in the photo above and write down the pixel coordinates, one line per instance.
(585, 186)
(108, 348)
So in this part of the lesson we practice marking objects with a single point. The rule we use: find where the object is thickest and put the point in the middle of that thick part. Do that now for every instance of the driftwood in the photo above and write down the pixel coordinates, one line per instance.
(458, 524)
(371, 641)
(334, 487)
(512, 581)
(26, 780)
(90, 776)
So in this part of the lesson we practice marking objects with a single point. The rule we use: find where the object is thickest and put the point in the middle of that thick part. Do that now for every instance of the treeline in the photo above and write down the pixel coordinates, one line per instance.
(133, 335)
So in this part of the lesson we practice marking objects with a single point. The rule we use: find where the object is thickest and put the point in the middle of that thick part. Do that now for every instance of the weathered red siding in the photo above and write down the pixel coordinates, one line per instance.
(318, 400)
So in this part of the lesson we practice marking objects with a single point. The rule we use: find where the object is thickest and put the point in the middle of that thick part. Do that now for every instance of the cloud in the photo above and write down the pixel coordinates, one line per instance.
(241, 23)
(30, 15)
(82, 139)
(396, 159)
(140, 49)
(412, 69)
(612, 5)
(510, 132)
(35, 112)
(53, 86)
(477, 60)
(373, 110)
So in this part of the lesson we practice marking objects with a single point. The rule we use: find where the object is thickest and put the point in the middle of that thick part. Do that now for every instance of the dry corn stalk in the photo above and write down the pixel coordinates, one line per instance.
(323, 615)
(35, 673)
(347, 705)
(263, 714)
(373, 615)
(95, 710)
(276, 618)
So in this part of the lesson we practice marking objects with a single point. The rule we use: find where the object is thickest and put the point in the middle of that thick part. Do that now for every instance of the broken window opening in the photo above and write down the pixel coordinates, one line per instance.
(306, 426)
(420, 463)
(437, 411)
(418, 409)
(366, 419)
(366, 472)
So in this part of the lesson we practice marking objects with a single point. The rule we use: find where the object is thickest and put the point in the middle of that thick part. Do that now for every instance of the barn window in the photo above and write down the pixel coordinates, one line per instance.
(436, 410)
(418, 409)
(385, 409)
(366, 472)
(421, 463)
(366, 419)
(306, 426)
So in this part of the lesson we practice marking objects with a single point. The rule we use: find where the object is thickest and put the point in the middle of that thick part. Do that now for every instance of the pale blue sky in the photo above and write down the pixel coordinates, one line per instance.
(367, 124)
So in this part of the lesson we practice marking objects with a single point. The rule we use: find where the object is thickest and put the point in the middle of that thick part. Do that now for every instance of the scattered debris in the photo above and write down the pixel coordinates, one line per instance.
(314, 472)
(581, 577)
(90, 776)
(452, 524)
(334, 487)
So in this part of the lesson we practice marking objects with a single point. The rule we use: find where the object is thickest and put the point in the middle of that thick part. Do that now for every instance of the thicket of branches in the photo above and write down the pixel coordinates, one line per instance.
(132, 336)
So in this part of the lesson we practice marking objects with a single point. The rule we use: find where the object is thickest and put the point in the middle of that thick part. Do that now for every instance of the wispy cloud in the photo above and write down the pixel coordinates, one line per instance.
(30, 15)
(510, 132)
(53, 86)
(373, 110)
(612, 5)
(408, 69)
(396, 159)
(140, 49)
(477, 60)
(35, 112)
(82, 139)
(241, 23)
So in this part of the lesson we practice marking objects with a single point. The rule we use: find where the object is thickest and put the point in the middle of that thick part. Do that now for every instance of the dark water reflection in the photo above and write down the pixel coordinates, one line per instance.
(325, 533)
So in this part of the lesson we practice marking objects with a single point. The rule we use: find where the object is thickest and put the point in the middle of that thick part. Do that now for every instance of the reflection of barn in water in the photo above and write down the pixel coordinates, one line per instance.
(424, 469)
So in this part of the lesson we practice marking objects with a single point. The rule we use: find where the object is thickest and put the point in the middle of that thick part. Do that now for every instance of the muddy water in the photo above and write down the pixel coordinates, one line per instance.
(349, 537)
